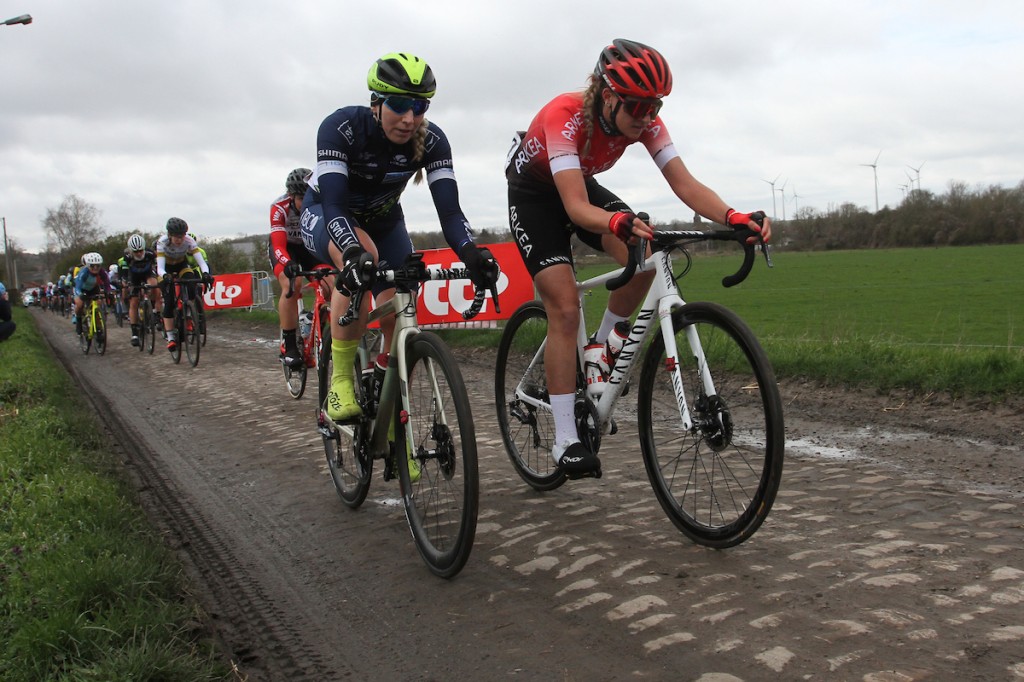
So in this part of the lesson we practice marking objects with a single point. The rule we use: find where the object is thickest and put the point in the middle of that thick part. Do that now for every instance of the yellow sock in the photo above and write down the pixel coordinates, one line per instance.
(343, 355)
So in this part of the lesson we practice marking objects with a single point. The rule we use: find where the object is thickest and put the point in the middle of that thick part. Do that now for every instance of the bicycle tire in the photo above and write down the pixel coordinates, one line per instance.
(527, 432)
(179, 327)
(442, 505)
(201, 318)
(85, 338)
(717, 482)
(190, 327)
(99, 335)
(348, 458)
(148, 334)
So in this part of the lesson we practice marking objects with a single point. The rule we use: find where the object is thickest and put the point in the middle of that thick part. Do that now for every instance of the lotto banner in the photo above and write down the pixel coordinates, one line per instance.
(442, 302)
(230, 291)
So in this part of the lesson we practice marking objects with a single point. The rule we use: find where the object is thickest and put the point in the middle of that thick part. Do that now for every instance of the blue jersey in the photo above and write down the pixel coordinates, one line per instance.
(89, 283)
(360, 176)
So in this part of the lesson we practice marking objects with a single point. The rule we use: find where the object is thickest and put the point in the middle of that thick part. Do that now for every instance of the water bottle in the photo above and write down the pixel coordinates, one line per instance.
(612, 348)
(592, 354)
(305, 323)
(380, 366)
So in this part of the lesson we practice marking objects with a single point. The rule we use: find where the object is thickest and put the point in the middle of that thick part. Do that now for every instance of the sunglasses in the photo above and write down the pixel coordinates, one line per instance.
(400, 105)
(639, 108)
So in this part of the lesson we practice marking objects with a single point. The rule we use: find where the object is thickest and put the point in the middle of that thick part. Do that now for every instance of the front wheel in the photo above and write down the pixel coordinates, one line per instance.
(346, 446)
(179, 326)
(147, 336)
(99, 335)
(190, 328)
(439, 476)
(716, 480)
(521, 398)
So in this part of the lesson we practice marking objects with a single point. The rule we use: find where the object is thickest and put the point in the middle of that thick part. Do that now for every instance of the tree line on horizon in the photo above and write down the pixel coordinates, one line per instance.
(960, 216)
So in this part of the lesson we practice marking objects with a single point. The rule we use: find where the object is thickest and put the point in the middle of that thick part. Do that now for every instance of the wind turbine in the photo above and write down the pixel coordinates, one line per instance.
(782, 191)
(796, 204)
(918, 172)
(874, 168)
(772, 183)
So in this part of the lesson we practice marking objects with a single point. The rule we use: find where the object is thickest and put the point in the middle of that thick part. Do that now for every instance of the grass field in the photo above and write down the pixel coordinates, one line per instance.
(87, 590)
(949, 319)
(944, 320)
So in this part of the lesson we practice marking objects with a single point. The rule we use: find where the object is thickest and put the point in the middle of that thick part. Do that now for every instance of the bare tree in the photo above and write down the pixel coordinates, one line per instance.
(73, 225)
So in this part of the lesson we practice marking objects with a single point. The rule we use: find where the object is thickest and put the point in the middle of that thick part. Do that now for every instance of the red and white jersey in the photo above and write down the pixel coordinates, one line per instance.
(284, 227)
(556, 138)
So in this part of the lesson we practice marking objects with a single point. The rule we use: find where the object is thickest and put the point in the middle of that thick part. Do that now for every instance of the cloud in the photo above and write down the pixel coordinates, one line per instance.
(198, 109)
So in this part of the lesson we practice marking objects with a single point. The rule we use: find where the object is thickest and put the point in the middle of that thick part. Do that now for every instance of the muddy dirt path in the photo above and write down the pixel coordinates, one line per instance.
(895, 550)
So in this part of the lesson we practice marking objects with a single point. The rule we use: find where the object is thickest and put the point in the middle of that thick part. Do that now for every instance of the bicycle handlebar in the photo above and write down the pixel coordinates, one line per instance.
(668, 238)
(407, 275)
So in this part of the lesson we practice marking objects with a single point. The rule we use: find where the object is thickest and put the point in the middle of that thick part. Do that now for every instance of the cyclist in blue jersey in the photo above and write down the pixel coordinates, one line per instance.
(366, 157)
(91, 280)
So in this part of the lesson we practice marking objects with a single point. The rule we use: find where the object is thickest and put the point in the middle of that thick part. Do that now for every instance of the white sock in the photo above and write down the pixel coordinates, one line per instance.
(563, 410)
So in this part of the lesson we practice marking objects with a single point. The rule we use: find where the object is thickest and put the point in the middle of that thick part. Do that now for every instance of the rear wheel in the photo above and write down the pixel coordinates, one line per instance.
(717, 480)
(440, 480)
(345, 445)
(149, 333)
(521, 397)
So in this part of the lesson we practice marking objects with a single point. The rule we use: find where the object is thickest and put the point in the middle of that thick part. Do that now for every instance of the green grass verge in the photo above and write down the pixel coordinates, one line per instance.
(87, 589)
(945, 320)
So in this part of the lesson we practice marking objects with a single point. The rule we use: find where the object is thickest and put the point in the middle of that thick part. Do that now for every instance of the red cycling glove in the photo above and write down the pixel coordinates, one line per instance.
(734, 218)
(621, 225)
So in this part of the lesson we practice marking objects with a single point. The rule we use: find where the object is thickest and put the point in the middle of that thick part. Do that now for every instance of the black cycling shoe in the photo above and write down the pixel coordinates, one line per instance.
(293, 359)
(579, 462)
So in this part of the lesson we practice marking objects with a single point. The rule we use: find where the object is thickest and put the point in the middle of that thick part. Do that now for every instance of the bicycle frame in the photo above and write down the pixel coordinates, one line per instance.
(662, 299)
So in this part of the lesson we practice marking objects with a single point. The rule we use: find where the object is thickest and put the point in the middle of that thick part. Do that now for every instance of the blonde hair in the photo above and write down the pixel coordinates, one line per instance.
(592, 92)
(419, 142)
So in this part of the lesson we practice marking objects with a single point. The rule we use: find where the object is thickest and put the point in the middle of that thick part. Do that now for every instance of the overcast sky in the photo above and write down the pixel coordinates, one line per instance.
(199, 108)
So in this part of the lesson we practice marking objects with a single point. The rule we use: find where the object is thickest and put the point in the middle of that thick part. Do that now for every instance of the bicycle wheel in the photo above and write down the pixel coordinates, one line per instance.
(85, 338)
(348, 458)
(718, 480)
(148, 331)
(528, 430)
(190, 327)
(99, 335)
(179, 326)
(441, 504)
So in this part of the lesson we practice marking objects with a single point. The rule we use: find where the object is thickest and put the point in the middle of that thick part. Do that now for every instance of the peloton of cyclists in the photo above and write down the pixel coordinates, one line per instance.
(172, 250)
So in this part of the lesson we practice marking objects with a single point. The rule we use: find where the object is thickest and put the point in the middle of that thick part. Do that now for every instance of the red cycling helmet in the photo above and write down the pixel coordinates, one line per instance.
(632, 69)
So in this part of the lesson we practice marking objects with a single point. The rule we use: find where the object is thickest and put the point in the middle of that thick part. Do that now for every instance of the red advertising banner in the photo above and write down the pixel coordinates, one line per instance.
(443, 302)
(230, 291)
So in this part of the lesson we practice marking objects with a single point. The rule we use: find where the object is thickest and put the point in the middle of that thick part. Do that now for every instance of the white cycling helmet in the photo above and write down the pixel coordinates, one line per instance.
(113, 267)
(136, 242)
(92, 258)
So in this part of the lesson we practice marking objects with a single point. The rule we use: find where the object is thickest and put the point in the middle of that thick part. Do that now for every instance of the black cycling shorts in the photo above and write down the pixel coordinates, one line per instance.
(541, 228)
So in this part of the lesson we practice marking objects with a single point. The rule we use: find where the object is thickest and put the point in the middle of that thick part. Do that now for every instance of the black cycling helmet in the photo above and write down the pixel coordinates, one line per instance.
(176, 226)
(400, 73)
(632, 69)
(295, 183)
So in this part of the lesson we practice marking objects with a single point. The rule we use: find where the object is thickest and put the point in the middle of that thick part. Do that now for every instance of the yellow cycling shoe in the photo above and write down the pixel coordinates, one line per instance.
(341, 402)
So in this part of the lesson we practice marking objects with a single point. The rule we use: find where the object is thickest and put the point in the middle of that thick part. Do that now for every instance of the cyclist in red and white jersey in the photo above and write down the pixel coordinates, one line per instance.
(287, 256)
(172, 251)
(553, 195)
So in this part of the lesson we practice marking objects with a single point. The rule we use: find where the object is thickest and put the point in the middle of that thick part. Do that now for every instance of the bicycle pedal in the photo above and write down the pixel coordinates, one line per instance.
(613, 428)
